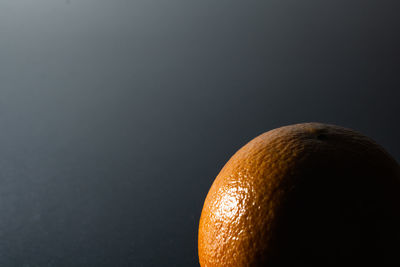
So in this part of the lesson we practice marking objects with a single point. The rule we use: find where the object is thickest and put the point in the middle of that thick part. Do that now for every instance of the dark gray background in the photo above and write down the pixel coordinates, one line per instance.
(116, 116)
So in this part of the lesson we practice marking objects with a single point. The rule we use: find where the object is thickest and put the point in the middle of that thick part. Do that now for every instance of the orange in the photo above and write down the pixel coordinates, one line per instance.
(310, 193)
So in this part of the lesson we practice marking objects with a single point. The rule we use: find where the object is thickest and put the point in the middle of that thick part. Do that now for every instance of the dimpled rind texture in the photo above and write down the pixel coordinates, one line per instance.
(301, 194)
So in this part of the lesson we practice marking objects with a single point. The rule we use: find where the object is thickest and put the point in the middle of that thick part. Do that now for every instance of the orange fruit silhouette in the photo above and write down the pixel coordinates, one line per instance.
(311, 194)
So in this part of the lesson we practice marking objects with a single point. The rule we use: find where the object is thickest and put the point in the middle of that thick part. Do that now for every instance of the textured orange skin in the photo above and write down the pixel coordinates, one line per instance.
(307, 193)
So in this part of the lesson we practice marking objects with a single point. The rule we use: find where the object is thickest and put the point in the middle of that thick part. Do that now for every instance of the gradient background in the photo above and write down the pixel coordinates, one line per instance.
(116, 116)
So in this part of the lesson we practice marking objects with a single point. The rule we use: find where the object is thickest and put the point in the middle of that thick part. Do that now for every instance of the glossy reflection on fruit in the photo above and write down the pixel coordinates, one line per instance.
(307, 193)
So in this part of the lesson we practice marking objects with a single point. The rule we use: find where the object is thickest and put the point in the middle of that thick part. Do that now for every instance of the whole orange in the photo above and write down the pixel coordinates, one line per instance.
(310, 193)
